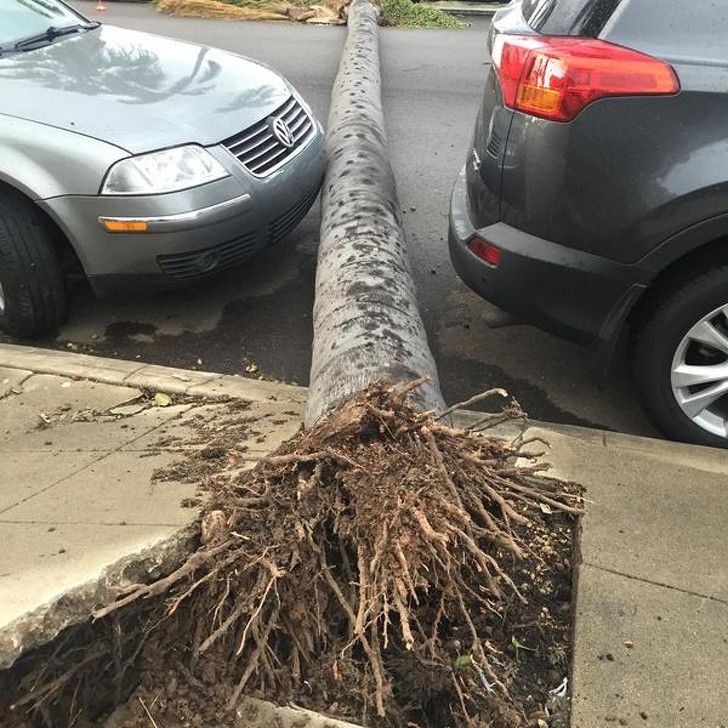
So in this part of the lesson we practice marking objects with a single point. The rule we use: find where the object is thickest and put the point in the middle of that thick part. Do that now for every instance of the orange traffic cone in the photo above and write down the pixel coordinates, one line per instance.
(100, 7)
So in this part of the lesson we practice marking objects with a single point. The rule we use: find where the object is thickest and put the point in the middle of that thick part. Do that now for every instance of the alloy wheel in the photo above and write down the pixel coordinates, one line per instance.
(699, 374)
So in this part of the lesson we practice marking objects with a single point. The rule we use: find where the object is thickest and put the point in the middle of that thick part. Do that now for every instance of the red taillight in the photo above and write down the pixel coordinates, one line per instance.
(485, 251)
(556, 77)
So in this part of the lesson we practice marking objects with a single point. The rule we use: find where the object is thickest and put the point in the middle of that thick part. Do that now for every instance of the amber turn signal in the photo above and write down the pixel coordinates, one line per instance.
(125, 226)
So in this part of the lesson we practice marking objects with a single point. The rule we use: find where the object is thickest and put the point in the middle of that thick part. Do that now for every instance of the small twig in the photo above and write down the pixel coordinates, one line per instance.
(191, 679)
(163, 585)
(489, 421)
(292, 458)
(403, 390)
(149, 715)
(519, 444)
(232, 618)
(473, 400)
(254, 659)
(255, 614)
(459, 691)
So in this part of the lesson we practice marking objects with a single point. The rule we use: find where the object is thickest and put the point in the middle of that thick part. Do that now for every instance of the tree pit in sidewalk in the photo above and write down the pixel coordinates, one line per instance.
(383, 568)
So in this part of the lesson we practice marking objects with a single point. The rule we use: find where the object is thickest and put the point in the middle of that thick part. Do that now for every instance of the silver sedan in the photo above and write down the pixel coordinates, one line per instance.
(140, 161)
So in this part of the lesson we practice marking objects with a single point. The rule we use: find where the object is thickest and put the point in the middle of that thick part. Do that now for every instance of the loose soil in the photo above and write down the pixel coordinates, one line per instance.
(383, 567)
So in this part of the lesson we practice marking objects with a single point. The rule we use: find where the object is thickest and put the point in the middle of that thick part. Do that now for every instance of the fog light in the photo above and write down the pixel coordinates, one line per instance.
(207, 261)
(485, 251)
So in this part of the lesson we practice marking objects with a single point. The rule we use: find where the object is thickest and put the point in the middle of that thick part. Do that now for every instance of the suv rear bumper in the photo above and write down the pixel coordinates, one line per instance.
(570, 293)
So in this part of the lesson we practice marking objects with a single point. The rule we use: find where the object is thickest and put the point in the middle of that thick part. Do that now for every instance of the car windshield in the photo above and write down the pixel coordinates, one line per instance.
(21, 19)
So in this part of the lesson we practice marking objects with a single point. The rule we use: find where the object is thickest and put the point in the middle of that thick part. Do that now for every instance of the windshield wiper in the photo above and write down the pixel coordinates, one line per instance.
(50, 34)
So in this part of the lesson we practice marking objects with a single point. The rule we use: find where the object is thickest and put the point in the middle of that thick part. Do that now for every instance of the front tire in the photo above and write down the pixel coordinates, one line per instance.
(680, 359)
(32, 290)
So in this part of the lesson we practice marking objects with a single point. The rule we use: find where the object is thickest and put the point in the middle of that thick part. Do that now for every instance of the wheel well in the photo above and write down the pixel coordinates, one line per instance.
(691, 264)
(70, 263)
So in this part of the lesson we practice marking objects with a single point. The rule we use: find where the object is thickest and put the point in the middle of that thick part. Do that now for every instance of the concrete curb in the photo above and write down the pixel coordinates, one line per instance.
(208, 384)
(147, 376)
(48, 621)
(665, 451)
(367, 326)
(465, 9)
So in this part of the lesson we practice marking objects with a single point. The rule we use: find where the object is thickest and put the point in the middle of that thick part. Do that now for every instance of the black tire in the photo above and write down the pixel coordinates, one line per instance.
(656, 338)
(32, 282)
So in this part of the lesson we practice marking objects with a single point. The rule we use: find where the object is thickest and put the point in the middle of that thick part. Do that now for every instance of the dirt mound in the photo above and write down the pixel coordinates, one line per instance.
(382, 567)
(215, 10)
(328, 12)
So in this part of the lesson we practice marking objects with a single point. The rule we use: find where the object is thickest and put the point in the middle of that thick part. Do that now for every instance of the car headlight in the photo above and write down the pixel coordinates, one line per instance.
(170, 170)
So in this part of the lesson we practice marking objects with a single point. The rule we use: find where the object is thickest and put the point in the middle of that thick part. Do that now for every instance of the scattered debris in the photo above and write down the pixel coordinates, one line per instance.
(561, 690)
(161, 399)
(328, 12)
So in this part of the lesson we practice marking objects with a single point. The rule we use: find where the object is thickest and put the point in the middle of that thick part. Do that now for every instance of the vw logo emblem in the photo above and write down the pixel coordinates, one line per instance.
(282, 132)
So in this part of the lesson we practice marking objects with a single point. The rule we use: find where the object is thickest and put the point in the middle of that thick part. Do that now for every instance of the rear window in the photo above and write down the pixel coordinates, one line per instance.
(568, 17)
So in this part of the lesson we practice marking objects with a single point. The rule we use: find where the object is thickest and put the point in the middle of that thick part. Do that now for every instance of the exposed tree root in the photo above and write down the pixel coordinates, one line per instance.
(368, 554)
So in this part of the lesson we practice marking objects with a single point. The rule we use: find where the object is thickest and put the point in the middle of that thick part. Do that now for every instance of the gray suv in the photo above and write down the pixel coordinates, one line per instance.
(594, 200)
(139, 161)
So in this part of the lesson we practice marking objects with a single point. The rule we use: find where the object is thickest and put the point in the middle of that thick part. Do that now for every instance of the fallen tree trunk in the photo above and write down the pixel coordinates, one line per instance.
(366, 323)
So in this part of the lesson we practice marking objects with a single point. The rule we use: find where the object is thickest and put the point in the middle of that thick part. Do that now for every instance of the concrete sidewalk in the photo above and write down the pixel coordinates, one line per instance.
(80, 512)
(80, 515)
(651, 632)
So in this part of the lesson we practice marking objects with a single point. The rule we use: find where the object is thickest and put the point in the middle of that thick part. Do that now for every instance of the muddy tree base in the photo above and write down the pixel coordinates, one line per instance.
(382, 567)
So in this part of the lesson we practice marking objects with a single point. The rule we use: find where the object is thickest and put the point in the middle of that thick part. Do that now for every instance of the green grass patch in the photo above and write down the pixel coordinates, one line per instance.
(406, 14)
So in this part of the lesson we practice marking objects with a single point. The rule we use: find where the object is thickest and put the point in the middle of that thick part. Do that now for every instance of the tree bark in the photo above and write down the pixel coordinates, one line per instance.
(367, 326)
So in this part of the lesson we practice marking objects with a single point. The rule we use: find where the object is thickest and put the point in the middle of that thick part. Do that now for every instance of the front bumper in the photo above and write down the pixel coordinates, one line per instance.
(217, 212)
(568, 292)
(193, 233)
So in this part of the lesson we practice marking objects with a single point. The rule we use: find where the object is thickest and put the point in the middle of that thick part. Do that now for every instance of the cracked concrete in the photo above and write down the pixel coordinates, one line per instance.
(80, 512)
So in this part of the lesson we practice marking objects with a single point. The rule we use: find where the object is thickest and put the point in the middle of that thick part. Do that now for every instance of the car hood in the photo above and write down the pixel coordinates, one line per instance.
(138, 91)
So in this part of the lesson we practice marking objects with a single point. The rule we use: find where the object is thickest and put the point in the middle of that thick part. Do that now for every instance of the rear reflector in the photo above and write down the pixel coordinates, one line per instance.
(557, 77)
(485, 251)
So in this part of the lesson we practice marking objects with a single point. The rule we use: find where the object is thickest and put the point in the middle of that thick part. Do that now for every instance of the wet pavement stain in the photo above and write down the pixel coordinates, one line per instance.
(260, 312)
(256, 321)
(465, 377)
(119, 330)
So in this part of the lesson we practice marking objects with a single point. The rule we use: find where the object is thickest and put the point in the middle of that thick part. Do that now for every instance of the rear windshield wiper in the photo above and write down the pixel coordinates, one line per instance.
(50, 34)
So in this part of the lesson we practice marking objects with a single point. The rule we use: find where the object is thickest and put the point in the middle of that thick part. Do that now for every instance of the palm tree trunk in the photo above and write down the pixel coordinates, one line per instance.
(366, 323)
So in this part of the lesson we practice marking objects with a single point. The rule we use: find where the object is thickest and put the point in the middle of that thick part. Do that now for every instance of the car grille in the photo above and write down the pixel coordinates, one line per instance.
(259, 150)
(283, 224)
(204, 261)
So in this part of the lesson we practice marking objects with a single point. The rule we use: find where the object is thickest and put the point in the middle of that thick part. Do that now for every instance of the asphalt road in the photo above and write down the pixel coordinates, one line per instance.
(432, 83)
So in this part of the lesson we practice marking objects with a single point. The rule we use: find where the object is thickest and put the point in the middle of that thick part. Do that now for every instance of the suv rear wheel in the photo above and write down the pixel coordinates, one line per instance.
(32, 289)
(680, 360)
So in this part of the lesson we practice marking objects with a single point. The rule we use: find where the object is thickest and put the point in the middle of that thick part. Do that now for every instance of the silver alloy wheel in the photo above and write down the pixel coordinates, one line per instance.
(2, 299)
(700, 372)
